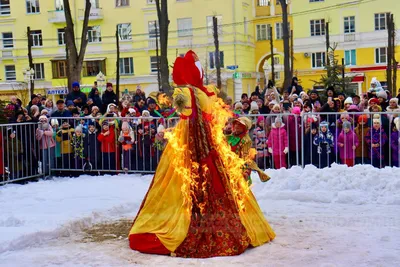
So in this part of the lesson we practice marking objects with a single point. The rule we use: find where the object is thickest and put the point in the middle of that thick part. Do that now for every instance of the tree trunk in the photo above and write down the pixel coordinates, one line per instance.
(389, 53)
(163, 21)
(75, 58)
(286, 48)
(271, 43)
(158, 58)
(291, 53)
(217, 59)
(30, 58)
(328, 46)
(118, 70)
(395, 63)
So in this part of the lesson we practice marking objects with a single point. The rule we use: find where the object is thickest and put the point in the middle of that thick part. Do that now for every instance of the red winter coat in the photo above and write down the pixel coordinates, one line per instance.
(278, 140)
(108, 144)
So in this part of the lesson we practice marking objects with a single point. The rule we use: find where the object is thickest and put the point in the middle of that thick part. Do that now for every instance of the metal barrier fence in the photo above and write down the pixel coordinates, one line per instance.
(73, 146)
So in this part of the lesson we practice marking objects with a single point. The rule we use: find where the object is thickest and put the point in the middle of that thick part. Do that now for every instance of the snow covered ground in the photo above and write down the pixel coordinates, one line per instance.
(332, 217)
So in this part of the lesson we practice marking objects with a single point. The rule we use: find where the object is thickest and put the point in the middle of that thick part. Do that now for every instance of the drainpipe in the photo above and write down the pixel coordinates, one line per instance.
(234, 44)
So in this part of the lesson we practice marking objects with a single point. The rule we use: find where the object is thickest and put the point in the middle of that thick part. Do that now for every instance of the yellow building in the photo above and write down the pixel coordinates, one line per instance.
(356, 28)
(190, 28)
(269, 18)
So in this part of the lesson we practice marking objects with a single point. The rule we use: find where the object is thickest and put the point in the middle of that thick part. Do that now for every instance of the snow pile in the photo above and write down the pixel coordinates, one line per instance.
(339, 184)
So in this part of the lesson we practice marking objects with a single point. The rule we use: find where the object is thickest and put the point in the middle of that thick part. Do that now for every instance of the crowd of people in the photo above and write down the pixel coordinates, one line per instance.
(101, 132)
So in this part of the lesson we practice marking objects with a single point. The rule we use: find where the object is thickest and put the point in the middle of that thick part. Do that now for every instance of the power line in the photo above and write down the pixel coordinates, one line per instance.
(300, 13)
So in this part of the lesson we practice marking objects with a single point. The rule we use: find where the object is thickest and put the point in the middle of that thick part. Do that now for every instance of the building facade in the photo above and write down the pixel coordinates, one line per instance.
(357, 30)
(190, 28)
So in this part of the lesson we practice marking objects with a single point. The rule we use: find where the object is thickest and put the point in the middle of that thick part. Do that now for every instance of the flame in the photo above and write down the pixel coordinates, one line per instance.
(164, 101)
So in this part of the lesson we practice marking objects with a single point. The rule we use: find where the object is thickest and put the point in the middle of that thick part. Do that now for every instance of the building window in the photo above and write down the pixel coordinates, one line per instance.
(59, 69)
(318, 59)
(153, 28)
(151, 2)
(263, 2)
(39, 71)
(126, 66)
(349, 24)
(37, 40)
(263, 32)
(185, 27)
(212, 62)
(279, 30)
(8, 40)
(59, 5)
(312, 1)
(276, 60)
(381, 55)
(120, 3)
(154, 64)
(94, 34)
(5, 7)
(277, 76)
(317, 27)
(380, 21)
(32, 6)
(278, 3)
(61, 36)
(350, 57)
(210, 27)
(93, 67)
(10, 73)
(125, 31)
(95, 3)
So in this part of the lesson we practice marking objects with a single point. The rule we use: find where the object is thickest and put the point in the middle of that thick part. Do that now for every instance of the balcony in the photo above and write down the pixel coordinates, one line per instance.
(152, 44)
(350, 37)
(7, 54)
(5, 9)
(95, 14)
(56, 16)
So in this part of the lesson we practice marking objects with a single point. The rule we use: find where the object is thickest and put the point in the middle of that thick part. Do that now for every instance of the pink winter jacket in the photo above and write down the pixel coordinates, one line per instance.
(349, 140)
(278, 140)
(46, 138)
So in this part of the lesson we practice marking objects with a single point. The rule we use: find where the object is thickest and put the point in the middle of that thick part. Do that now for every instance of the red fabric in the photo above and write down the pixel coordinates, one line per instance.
(1, 154)
(349, 162)
(124, 111)
(107, 142)
(209, 161)
(280, 161)
(147, 243)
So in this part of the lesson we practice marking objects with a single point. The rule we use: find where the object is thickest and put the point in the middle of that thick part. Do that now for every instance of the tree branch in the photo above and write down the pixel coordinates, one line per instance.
(84, 39)
(69, 30)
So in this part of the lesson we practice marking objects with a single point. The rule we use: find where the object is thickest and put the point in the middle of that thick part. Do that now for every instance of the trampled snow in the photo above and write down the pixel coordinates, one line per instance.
(332, 217)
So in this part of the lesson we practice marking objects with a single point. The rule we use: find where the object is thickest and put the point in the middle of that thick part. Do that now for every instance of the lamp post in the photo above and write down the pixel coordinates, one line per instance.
(101, 79)
(29, 77)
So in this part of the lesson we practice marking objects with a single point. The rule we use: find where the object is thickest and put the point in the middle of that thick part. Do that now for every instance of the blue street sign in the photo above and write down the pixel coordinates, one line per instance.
(232, 67)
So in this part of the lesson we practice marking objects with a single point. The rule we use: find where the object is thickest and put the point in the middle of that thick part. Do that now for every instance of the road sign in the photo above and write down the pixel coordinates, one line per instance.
(232, 67)
(57, 91)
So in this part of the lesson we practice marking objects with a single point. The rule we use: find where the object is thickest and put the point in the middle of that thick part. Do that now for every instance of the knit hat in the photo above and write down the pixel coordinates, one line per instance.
(379, 108)
(109, 85)
(78, 128)
(278, 119)
(109, 106)
(296, 110)
(160, 128)
(238, 105)
(54, 122)
(125, 125)
(324, 124)
(374, 81)
(244, 121)
(346, 125)
(253, 106)
(382, 94)
(313, 91)
(145, 113)
(75, 84)
(91, 123)
(43, 118)
(151, 101)
(377, 118)
(105, 122)
(260, 119)
(33, 96)
(395, 99)
(132, 110)
(302, 93)
(397, 123)
(353, 108)
(299, 100)
(363, 118)
(344, 116)
(373, 101)
(273, 102)
(348, 100)
(70, 103)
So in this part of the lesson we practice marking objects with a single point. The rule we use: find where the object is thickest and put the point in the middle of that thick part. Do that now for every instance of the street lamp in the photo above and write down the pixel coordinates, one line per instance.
(29, 77)
(101, 79)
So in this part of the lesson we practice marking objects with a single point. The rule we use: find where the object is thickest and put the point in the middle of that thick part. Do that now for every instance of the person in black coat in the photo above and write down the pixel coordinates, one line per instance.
(311, 155)
(92, 147)
(295, 88)
(76, 95)
(61, 112)
(95, 96)
(109, 97)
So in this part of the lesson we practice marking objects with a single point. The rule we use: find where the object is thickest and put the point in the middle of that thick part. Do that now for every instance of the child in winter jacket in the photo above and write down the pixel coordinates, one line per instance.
(278, 143)
(146, 135)
(294, 129)
(127, 139)
(92, 147)
(324, 142)
(348, 142)
(393, 107)
(361, 131)
(395, 143)
(108, 146)
(78, 145)
(310, 151)
(44, 134)
(64, 137)
(376, 139)
(260, 137)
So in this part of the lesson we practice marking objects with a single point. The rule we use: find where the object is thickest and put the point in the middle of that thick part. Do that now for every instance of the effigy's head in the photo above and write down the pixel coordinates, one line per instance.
(187, 70)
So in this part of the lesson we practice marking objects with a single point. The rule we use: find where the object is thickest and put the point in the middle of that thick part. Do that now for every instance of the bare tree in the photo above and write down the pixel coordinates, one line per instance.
(74, 57)
(30, 59)
(163, 22)
(271, 44)
(216, 53)
(118, 59)
(389, 52)
(286, 46)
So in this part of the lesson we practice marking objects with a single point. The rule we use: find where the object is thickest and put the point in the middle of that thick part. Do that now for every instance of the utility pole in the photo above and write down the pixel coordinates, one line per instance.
(286, 43)
(30, 58)
(217, 59)
(395, 63)
(343, 76)
(271, 43)
(158, 59)
(118, 59)
(389, 57)
(328, 46)
(291, 53)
